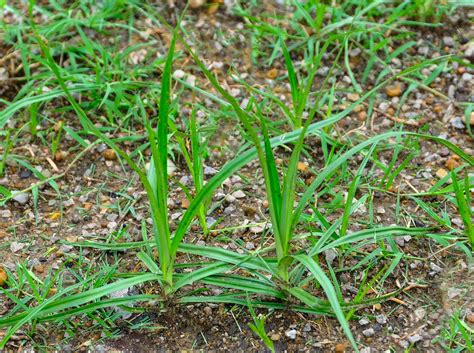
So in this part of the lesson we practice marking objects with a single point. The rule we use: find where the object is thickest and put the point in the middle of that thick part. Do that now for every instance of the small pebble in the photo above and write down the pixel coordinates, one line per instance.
(109, 154)
(39, 268)
(3, 276)
(275, 337)
(423, 51)
(394, 90)
(291, 334)
(353, 97)
(239, 194)
(448, 41)
(209, 170)
(420, 313)
(208, 311)
(178, 74)
(330, 255)
(5, 213)
(272, 74)
(415, 338)
(441, 173)
(210, 221)
(369, 332)
(381, 319)
(25, 174)
(16, 246)
(249, 246)
(22, 198)
(471, 119)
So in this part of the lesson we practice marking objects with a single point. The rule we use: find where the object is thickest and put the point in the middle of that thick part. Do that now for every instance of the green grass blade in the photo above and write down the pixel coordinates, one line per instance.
(330, 292)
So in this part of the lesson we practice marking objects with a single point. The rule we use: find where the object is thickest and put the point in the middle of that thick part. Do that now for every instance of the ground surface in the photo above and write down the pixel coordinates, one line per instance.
(101, 200)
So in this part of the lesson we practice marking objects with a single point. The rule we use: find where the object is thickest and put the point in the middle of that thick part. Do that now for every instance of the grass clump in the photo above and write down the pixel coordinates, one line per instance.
(289, 270)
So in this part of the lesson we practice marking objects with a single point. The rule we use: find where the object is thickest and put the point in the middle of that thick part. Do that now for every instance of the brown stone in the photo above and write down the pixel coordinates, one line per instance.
(3, 276)
(451, 164)
(394, 90)
(185, 203)
(212, 9)
(441, 173)
(38, 268)
(362, 115)
(110, 154)
(302, 167)
(196, 3)
(471, 119)
(353, 97)
(272, 74)
(438, 108)
(59, 156)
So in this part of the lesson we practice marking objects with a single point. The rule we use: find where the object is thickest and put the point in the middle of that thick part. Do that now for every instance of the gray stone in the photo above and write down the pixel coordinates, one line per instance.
(420, 313)
(249, 246)
(355, 52)
(400, 241)
(451, 91)
(210, 221)
(210, 171)
(5, 213)
(457, 123)
(448, 41)
(68, 203)
(383, 106)
(330, 255)
(435, 267)
(178, 74)
(381, 319)
(423, 50)
(454, 292)
(369, 332)
(239, 194)
(230, 198)
(21, 197)
(415, 338)
(469, 52)
(65, 248)
(404, 344)
(291, 334)
(16, 246)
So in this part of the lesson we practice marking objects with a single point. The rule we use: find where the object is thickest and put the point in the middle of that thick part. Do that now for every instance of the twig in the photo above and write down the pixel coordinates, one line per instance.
(396, 119)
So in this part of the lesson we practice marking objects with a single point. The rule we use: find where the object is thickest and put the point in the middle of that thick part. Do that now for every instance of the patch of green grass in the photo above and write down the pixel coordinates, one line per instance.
(105, 96)
(457, 335)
